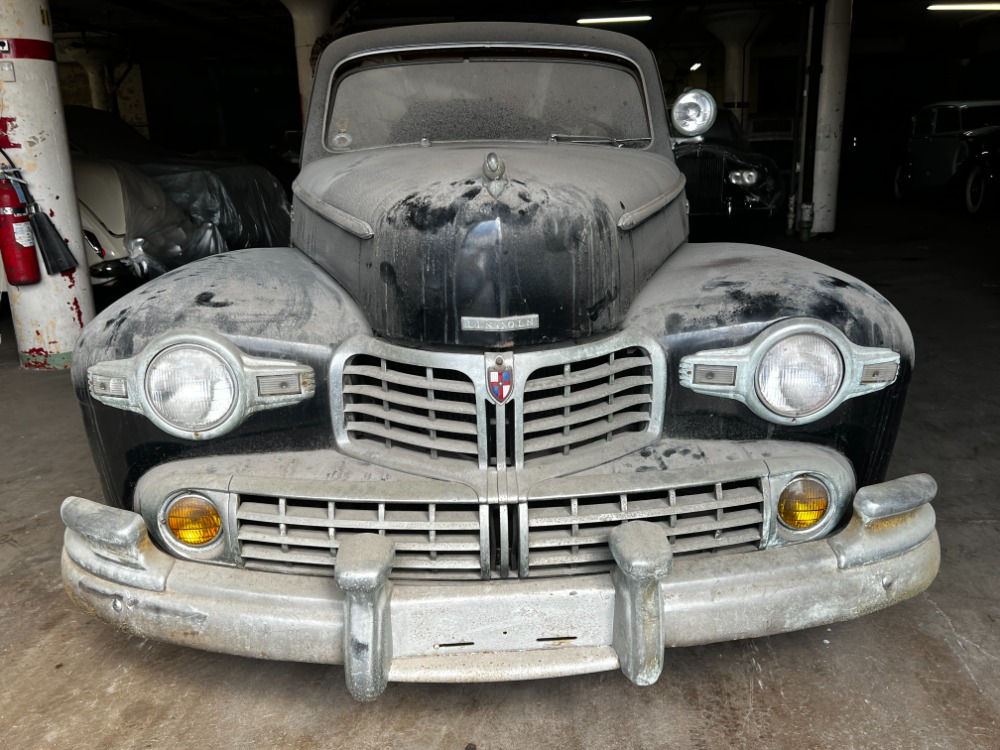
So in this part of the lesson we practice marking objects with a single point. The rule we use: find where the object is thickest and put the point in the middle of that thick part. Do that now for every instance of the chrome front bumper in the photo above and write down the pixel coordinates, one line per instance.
(488, 631)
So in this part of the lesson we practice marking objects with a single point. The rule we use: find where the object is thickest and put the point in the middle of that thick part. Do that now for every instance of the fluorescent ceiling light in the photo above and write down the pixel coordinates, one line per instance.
(695, 67)
(616, 19)
(965, 6)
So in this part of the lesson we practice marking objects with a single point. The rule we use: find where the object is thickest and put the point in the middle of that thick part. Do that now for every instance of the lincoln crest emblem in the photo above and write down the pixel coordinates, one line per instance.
(500, 380)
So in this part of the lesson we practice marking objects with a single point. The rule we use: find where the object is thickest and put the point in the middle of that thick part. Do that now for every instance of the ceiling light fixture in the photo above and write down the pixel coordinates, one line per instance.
(965, 6)
(695, 67)
(615, 19)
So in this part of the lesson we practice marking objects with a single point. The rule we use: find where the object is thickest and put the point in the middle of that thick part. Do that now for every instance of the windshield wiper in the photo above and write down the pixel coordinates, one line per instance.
(596, 139)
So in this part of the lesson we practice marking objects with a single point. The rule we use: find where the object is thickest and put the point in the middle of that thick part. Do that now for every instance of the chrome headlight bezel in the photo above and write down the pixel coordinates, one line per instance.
(734, 370)
(228, 369)
(257, 382)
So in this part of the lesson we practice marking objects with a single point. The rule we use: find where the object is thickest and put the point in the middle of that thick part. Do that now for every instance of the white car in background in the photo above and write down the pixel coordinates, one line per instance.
(147, 210)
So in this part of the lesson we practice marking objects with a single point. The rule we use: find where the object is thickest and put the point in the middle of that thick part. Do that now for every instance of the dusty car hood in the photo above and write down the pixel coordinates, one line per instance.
(437, 240)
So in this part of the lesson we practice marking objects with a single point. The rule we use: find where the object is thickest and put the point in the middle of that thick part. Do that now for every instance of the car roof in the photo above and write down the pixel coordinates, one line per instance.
(965, 103)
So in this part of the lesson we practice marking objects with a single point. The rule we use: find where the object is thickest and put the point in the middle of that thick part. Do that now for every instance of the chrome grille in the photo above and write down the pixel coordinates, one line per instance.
(553, 535)
(705, 178)
(573, 404)
(401, 406)
(302, 535)
(569, 535)
(431, 410)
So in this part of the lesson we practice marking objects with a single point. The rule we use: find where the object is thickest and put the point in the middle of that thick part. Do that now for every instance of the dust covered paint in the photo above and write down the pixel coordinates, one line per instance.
(422, 501)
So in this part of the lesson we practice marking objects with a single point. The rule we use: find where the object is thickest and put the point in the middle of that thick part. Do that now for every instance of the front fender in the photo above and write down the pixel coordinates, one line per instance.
(269, 302)
(720, 295)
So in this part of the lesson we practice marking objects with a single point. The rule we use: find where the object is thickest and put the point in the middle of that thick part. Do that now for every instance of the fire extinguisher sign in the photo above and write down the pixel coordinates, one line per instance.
(23, 235)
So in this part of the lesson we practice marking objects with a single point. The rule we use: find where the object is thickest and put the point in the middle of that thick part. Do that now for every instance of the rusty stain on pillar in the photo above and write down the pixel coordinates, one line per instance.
(736, 30)
(310, 20)
(830, 123)
(48, 316)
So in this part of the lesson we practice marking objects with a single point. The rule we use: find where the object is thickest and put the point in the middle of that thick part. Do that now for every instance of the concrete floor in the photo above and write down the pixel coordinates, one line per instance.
(925, 674)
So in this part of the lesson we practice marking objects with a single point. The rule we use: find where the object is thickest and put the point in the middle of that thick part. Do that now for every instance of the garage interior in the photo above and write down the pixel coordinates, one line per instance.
(220, 77)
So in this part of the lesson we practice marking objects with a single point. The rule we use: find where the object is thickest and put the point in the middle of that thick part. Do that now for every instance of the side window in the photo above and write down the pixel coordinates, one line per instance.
(922, 122)
(947, 121)
(976, 117)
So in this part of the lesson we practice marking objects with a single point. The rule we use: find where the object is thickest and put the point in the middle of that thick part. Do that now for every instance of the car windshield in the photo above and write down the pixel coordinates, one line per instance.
(383, 102)
(977, 117)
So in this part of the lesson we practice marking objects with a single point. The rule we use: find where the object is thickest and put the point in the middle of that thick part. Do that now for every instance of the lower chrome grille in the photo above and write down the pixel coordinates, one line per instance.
(553, 535)
(302, 535)
(569, 535)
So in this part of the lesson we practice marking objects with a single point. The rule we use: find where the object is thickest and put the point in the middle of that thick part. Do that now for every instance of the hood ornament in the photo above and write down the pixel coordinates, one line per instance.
(493, 172)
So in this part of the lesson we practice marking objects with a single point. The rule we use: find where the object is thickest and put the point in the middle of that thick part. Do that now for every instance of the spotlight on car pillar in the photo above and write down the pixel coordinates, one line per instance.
(694, 112)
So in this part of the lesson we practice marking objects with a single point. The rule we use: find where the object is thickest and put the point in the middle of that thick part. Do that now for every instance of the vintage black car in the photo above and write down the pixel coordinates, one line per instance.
(953, 146)
(726, 178)
(493, 417)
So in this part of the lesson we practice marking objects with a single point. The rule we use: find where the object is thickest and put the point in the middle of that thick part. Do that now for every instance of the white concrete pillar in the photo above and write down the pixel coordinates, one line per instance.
(310, 20)
(736, 30)
(830, 124)
(48, 316)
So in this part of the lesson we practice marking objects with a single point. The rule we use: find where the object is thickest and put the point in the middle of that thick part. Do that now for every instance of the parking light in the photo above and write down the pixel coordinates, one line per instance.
(193, 520)
(803, 503)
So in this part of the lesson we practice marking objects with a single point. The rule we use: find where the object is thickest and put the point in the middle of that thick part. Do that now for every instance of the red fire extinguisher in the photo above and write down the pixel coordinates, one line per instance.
(17, 243)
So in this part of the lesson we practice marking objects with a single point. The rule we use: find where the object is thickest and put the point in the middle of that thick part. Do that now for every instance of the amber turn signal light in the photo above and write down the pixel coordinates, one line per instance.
(193, 520)
(803, 503)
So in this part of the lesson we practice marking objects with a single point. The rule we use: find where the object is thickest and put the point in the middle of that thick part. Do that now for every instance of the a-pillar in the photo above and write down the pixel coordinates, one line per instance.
(830, 122)
(310, 20)
(736, 30)
(48, 316)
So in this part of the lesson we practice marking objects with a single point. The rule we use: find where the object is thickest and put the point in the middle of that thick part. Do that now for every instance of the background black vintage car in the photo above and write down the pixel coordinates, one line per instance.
(953, 147)
(725, 176)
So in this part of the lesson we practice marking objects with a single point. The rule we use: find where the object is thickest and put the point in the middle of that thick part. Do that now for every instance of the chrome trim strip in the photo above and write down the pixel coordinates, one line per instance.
(631, 219)
(349, 223)
(747, 358)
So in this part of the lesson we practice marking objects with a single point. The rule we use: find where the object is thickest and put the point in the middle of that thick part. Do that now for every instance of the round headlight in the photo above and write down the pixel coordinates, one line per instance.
(744, 177)
(803, 503)
(694, 112)
(191, 387)
(800, 375)
(193, 521)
